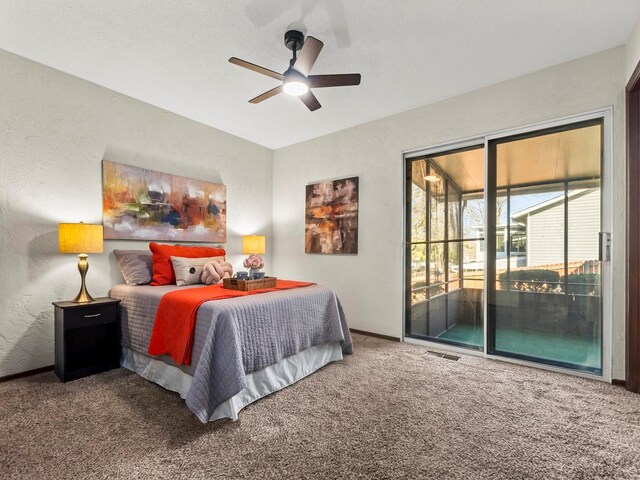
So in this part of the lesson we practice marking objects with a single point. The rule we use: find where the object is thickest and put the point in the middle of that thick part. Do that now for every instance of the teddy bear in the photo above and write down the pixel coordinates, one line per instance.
(214, 272)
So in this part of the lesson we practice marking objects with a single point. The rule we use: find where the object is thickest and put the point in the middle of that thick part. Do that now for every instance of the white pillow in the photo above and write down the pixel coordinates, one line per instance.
(189, 270)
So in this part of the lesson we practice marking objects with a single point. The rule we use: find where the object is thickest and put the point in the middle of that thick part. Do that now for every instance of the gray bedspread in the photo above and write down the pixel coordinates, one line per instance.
(234, 337)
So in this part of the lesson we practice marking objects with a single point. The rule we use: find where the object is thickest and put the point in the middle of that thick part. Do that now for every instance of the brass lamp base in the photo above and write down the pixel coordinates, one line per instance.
(83, 296)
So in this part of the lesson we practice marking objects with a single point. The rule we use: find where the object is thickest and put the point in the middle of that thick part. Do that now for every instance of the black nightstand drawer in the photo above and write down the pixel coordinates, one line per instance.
(90, 315)
(87, 338)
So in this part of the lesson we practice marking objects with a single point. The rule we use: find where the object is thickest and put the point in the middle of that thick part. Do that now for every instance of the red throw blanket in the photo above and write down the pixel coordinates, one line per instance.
(176, 316)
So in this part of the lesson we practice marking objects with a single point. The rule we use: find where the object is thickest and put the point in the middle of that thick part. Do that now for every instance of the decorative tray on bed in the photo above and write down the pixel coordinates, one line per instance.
(247, 285)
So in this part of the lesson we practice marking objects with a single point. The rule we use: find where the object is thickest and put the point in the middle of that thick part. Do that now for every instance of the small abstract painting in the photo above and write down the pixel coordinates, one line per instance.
(332, 217)
(141, 204)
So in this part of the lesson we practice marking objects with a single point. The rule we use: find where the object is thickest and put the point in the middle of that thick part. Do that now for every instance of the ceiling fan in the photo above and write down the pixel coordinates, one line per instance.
(296, 80)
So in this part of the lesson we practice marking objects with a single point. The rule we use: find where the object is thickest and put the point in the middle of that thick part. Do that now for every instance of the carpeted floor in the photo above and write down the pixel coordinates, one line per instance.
(388, 411)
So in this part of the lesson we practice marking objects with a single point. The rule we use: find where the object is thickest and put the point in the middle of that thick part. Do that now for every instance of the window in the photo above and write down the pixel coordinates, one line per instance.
(518, 243)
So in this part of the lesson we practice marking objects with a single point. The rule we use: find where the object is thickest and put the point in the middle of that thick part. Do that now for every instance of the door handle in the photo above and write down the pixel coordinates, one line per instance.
(604, 246)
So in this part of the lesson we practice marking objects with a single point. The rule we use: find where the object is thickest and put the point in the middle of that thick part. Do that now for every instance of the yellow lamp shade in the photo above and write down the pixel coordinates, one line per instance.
(253, 244)
(79, 238)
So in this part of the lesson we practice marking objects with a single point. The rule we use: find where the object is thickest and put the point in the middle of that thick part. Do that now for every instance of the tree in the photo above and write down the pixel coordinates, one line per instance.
(476, 212)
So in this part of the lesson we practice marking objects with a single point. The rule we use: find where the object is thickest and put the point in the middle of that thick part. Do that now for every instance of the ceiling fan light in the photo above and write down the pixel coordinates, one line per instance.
(295, 87)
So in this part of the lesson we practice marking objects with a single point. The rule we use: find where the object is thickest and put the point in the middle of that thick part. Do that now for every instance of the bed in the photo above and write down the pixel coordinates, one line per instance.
(243, 348)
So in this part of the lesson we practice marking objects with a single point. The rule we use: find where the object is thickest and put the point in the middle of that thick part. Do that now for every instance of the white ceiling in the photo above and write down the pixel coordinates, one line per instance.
(173, 54)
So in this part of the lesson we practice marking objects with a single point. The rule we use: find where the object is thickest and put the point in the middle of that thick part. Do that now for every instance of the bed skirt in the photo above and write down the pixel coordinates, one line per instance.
(259, 384)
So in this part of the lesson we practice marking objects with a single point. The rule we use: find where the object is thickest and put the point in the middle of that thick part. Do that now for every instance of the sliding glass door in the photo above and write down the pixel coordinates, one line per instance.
(510, 229)
(545, 304)
(445, 251)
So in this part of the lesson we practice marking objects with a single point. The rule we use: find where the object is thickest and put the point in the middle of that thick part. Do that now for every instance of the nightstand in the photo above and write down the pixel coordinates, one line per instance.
(87, 338)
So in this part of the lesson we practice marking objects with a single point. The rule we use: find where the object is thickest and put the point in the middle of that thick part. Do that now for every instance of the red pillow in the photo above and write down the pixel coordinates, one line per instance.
(163, 273)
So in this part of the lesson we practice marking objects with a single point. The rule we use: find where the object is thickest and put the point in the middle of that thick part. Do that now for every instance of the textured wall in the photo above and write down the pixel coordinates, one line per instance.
(54, 131)
(370, 284)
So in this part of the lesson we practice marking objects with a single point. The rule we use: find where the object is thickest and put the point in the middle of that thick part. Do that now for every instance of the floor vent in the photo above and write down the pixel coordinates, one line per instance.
(446, 356)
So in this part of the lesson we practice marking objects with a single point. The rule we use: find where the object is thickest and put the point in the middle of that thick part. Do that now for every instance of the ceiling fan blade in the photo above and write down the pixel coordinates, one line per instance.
(338, 80)
(268, 94)
(256, 68)
(308, 55)
(310, 100)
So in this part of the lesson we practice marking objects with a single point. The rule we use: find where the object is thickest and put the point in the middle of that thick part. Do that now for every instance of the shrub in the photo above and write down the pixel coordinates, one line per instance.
(583, 284)
(530, 280)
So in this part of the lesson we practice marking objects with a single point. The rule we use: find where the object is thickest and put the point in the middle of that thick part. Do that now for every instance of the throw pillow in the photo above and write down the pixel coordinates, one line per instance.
(163, 273)
(136, 266)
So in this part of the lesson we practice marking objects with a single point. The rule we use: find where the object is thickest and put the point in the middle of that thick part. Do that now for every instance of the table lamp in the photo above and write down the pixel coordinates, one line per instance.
(253, 244)
(80, 238)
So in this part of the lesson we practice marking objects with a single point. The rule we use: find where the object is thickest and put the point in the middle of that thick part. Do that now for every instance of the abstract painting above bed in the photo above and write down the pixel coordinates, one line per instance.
(141, 204)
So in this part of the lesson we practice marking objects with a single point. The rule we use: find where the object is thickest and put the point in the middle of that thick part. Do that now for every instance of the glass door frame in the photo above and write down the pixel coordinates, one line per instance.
(490, 244)
(408, 157)
(606, 115)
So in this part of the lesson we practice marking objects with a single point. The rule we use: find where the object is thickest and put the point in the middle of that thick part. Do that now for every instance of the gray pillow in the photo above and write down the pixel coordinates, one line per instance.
(136, 266)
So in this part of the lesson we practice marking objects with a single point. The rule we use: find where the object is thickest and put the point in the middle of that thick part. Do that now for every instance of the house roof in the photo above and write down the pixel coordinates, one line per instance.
(550, 203)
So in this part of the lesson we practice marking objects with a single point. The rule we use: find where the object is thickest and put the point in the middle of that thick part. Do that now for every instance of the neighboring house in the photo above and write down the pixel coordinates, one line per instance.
(544, 226)
(518, 247)
(536, 233)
